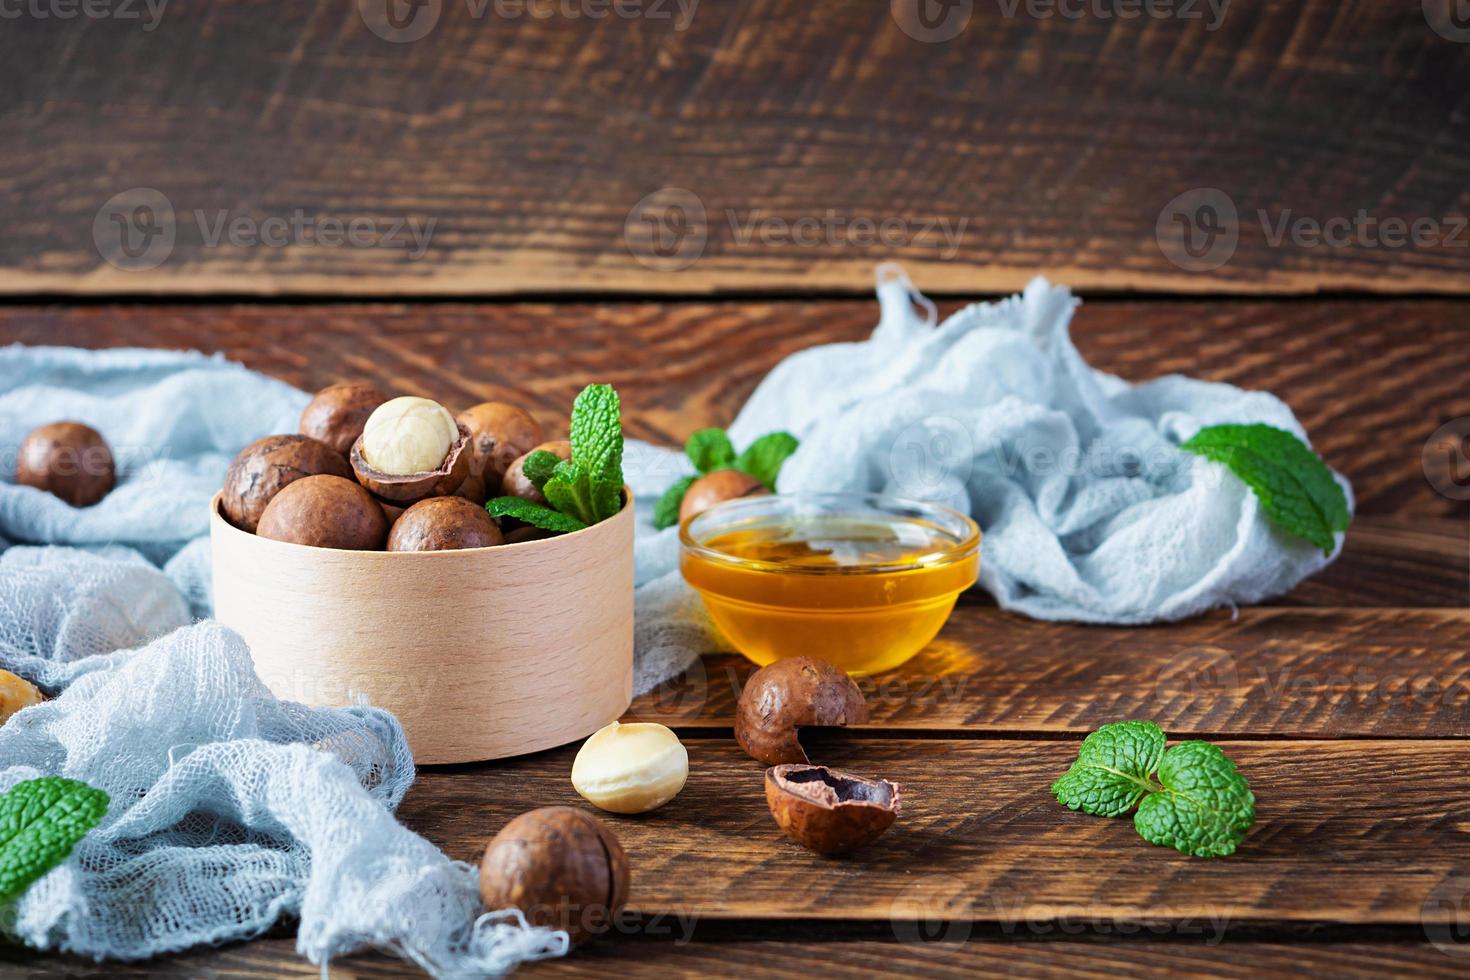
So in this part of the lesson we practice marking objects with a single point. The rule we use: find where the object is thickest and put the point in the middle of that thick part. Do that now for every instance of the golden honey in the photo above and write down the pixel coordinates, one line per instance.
(861, 581)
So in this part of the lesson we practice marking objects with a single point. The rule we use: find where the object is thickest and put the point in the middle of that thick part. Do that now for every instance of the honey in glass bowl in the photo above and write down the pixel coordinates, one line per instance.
(862, 581)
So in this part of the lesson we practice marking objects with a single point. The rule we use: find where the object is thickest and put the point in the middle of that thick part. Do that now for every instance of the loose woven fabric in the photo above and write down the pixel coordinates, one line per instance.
(230, 808)
(1090, 512)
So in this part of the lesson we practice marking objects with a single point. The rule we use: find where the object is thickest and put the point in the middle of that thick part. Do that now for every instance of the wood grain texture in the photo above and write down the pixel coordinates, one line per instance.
(1355, 832)
(1371, 381)
(980, 956)
(1279, 672)
(466, 648)
(528, 140)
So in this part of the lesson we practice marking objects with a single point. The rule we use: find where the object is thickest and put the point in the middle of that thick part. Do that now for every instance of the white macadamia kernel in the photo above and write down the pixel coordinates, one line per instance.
(16, 693)
(408, 435)
(630, 768)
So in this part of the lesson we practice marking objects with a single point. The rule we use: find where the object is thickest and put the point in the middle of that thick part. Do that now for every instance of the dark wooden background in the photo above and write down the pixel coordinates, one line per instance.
(1059, 142)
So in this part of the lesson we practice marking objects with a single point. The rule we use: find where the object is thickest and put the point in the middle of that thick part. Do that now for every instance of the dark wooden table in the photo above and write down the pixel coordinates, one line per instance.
(1062, 142)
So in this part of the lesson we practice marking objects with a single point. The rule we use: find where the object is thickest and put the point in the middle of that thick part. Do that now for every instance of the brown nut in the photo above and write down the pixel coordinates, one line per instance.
(15, 693)
(499, 434)
(410, 489)
(561, 867)
(338, 412)
(528, 533)
(790, 693)
(515, 484)
(717, 487)
(266, 466)
(325, 512)
(444, 524)
(68, 460)
(828, 811)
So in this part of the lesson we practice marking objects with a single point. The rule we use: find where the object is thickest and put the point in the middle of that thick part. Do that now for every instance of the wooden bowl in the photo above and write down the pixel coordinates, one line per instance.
(481, 653)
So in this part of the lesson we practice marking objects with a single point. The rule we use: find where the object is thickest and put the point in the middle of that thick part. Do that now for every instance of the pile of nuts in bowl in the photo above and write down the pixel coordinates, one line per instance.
(368, 473)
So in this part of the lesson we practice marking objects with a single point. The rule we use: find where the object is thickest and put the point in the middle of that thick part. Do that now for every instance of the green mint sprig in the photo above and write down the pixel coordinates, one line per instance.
(1294, 485)
(710, 450)
(585, 489)
(41, 820)
(1200, 805)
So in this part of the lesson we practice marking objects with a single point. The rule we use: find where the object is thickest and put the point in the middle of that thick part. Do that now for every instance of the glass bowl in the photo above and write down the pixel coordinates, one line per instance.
(860, 580)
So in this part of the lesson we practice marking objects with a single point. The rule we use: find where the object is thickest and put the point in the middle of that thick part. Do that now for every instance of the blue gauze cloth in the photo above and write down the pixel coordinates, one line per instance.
(230, 808)
(1089, 510)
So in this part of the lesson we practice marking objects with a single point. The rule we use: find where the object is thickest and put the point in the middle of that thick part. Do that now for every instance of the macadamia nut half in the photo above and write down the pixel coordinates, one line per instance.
(630, 768)
(408, 435)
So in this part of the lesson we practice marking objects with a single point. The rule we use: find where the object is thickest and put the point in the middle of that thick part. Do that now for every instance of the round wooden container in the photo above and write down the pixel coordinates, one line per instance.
(481, 653)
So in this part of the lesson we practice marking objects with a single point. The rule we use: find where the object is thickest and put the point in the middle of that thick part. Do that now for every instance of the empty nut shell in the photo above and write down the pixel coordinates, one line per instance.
(268, 465)
(444, 524)
(338, 412)
(788, 694)
(828, 811)
(515, 484)
(69, 460)
(561, 867)
(716, 488)
(15, 693)
(325, 512)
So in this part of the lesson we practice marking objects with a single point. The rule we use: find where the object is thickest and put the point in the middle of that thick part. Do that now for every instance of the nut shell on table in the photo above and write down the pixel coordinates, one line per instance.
(16, 693)
(410, 489)
(500, 433)
(68, 460)
(325, 512)
(561, 867)
(267, 466)
(716, 488)
(790, 694)
(338, 413)
(444, 524)
(515, 484)
(829, 811)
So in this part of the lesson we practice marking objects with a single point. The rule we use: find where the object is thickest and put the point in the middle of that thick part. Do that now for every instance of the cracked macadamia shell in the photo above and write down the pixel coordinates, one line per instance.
(716, 488)
(337, 414)
(325, 512)
(410, 489)
(561, 867)
(68, 460)
(828, 811)
(268, 465)
(444, 524)
(788, 694)
(500, 433)
(515, 483)
(16, 693)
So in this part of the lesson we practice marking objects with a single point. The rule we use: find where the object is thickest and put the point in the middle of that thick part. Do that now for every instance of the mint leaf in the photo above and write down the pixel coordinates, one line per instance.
(1205, 806)
(533, 513)
(1295, 487)
(1200, 806)
(538, 467)
(666, 511)
(570, 492)
(710, 450)
(597, 450)
(762, 459)
(41, 820)
(1112, 770)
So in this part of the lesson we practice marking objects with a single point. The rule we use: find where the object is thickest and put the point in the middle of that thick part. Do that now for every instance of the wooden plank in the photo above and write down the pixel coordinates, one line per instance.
(530, 141)
(1281, 672)
(811, 956)
(1370, 380)
(1352, 832)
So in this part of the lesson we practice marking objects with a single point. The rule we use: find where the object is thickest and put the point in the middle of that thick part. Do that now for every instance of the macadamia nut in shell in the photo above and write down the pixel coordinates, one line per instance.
(338, 413)
(408, 435)
(444, 524)
(266, 466)
(716, 488)
(515, 482)
(68, 460)
(325, 512)
(500, 433)
(630, 768)
(790, 694)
